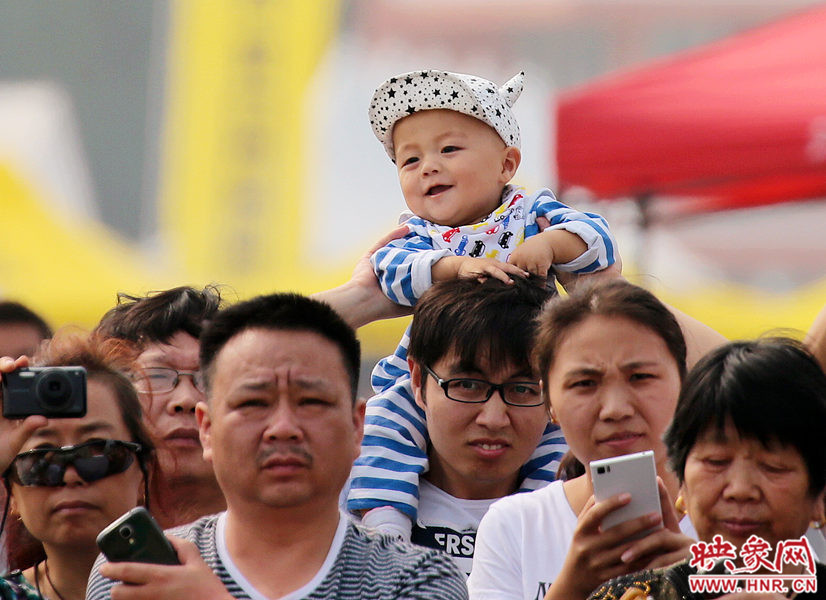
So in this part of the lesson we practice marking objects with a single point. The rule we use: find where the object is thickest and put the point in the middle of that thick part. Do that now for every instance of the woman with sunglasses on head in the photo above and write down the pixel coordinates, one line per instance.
(70, 477)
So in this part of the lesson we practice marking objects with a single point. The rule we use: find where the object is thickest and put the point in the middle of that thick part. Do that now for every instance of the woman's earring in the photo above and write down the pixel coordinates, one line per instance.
(679, 505)
(819, 524)
(553, 417)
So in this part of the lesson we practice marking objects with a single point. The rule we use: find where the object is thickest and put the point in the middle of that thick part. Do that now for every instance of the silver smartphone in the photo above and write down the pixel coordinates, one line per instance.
(136, 537)
(635, 474)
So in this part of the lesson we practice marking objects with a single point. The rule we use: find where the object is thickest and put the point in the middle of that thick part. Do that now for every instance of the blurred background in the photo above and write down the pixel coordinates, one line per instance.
(158, 143)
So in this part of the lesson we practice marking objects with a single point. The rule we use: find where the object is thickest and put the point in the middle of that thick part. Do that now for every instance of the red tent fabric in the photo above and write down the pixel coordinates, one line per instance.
(736, 123)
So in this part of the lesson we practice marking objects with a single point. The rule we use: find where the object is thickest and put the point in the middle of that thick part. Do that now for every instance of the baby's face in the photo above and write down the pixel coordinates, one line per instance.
(452, 167)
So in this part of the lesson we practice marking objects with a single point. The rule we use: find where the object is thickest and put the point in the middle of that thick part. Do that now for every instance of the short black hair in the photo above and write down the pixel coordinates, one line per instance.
(12, 312)
(281, 312)
(771, 389)
(468, 318)
(158, 316)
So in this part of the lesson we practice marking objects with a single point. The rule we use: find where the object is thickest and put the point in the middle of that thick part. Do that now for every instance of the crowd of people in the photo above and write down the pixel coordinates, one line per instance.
(468, 473)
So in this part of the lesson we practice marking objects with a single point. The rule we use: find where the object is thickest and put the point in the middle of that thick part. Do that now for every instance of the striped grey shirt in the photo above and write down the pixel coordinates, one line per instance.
(368, 567)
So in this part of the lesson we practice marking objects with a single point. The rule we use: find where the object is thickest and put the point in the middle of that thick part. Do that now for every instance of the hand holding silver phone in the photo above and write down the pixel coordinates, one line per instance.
(136, 537)
(635, 474)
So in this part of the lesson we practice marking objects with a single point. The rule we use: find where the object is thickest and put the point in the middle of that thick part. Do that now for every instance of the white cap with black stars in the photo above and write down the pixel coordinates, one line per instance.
(405, 94)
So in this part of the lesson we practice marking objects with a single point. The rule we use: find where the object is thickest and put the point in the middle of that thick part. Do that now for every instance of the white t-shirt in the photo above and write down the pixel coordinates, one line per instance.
(817, 540)
(522, 543)
(448, 523)
(305, 590)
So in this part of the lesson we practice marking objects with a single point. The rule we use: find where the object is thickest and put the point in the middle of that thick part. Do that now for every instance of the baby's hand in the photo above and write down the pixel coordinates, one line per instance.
(535, 255)
(482, 268)
(455, 267)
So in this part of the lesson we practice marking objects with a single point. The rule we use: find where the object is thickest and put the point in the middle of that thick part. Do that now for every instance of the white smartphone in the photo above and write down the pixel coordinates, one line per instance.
(635, 474)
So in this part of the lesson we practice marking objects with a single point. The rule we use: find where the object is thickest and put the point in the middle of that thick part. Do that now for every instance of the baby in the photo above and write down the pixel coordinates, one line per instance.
(456, 146)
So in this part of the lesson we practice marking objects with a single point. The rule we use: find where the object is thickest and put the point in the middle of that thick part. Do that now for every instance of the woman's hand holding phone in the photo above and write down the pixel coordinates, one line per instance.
(597, 554)
(664, 546)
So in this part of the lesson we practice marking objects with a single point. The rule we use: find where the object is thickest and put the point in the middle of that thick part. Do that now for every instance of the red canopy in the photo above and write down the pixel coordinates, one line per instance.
(736, 123)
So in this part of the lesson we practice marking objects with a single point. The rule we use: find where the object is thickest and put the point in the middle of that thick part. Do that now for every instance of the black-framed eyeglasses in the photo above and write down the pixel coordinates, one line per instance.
(473, 391)
(91, 460)
(158, 380)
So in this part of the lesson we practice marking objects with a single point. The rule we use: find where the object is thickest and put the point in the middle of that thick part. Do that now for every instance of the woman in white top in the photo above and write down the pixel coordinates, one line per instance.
(612, 358)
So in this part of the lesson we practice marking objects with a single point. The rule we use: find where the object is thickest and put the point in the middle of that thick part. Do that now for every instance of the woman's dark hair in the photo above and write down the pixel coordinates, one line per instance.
(615, 298)
(106, 361)
(158, 316)
(771, 389)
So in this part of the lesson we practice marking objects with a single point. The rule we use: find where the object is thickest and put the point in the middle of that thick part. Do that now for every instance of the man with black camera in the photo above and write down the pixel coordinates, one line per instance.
(281, 427)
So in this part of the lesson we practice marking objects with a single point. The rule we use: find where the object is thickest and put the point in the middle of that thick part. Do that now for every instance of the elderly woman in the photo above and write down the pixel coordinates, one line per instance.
(747, 446)
(70, 477)
(611, 358)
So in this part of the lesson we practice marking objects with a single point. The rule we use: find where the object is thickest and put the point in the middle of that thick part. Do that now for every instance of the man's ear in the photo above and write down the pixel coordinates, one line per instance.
(416, 382)
(359, 410)
(543, 392)
(511, 158)
(204, 428)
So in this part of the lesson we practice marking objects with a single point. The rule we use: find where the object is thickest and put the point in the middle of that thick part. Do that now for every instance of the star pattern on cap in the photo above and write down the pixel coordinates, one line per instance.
(432, 89)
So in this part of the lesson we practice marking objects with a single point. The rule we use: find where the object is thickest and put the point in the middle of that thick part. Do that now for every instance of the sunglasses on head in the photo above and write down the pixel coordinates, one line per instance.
(92, 461)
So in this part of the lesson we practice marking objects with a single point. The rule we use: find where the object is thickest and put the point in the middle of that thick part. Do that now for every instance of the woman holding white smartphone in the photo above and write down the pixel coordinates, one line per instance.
(612, 358)
(747, 445)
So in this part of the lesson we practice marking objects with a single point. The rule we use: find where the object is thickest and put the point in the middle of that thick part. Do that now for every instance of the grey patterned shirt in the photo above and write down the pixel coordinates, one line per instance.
(368, 567)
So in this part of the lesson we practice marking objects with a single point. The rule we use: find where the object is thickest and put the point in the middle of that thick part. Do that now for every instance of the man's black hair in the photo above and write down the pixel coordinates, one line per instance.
(491, 320)
(282, 312)
(14, 312)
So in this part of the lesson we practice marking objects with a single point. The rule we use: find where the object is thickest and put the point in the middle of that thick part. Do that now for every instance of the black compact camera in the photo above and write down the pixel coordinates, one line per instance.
(54, 392)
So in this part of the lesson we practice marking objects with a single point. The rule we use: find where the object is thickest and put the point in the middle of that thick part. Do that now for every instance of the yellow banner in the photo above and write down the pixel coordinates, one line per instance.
(232, 205)
(231, 195)
(67, 269)
(70, 271)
